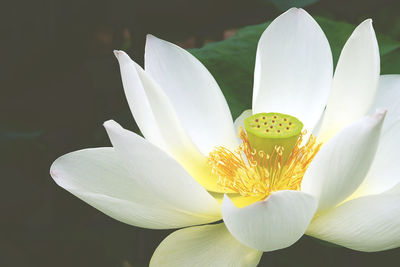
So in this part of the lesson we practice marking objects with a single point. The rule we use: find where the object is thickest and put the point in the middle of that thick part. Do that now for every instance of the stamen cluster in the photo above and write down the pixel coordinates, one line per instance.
(254, 173)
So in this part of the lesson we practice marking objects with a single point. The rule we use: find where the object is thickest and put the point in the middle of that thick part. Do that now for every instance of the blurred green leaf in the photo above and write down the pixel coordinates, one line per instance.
(232, 61)
(286, 4)
(390, 62)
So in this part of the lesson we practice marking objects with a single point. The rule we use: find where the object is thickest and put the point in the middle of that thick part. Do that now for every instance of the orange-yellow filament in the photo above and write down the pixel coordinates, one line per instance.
(253, 173)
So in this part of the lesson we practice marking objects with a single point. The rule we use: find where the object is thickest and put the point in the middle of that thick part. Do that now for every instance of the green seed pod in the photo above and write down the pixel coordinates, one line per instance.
(268, 130)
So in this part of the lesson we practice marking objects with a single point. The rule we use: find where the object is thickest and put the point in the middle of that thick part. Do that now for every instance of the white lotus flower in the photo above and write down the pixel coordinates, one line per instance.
(350, 192)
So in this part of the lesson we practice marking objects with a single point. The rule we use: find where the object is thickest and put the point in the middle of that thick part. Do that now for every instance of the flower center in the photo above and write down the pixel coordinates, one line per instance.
(271, 157)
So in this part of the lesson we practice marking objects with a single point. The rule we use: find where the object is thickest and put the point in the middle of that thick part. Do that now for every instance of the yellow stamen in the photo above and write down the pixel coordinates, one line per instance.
(253, 173)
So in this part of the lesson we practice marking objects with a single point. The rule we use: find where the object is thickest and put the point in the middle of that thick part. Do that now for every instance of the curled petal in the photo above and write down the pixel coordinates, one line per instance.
(385, 169)
(342, 163)
(275, 223)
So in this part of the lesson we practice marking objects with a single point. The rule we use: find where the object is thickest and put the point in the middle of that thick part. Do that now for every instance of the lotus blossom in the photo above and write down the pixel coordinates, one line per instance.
(338, 182)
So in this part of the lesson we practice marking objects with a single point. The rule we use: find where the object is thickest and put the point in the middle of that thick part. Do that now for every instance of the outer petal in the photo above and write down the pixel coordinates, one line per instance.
(370, 223)
(164, 176)
(138, 99)
(99, 177)
(175, 139)
(195, 95)
(385, 170)
(355, 81)
(341, 164)
(293, 71)
(209, 245)
(275, 223)
(152, 101)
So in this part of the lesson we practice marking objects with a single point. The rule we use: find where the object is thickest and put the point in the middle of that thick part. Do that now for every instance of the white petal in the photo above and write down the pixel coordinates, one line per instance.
(370, 223)
(388, 97)
(385, 169)
(275, 223)
(157, 171)
(209, 245)
(138, 99)
(394, 190)
(293, 71)
(99, 177)
(163, 116)
(355, 81)
(239, 122)
(341, 164)
(175, 138)
(193, 92)
(317, 127)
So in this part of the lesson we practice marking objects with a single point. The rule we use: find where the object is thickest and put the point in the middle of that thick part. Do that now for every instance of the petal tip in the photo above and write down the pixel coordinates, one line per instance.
(366, 24)
(116, 53)
(121, 56)
(111, 124)
(380, 113)
(295, 11)
(151, 38)
(368, 21)
(52, 172)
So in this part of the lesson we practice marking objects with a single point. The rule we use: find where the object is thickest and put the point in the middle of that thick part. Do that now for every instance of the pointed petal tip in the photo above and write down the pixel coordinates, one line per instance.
(111, 124)
(122, 56)
(381, 111)
(55, 173)
(366, 24)
(379, 114)
(151, 38)
(152, 44)
(295, 11)
(52, 172)
(368, 21)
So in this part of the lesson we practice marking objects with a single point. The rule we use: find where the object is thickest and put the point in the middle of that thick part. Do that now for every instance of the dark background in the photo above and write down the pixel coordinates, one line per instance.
(60, 82)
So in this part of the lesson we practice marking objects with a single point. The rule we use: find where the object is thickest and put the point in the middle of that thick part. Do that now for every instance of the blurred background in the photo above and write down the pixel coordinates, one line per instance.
(60, 82)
